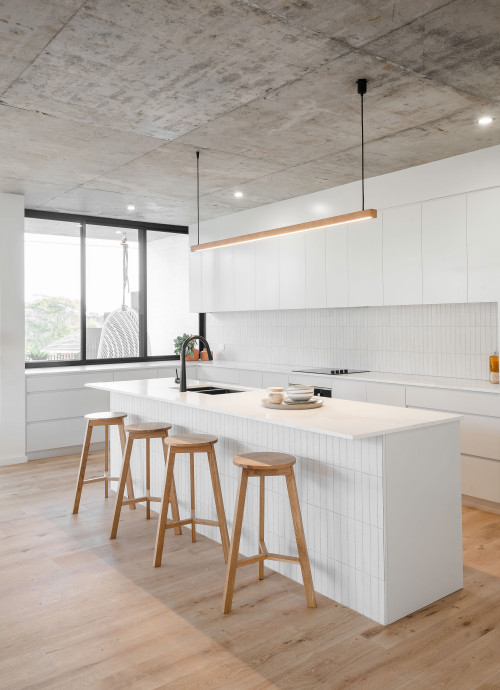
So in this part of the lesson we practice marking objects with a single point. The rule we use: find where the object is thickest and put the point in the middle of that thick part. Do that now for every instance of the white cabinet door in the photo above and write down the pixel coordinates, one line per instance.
(60, 433)
(64, 404)
(365, 263)
(267, 277)
(195, 281)
(385, 394)
(207, 280)
(315, 269)
(481, 478)
(292, 272)
(223, 279)
(135, 374)
(274, 378)
(483, 245)
(444, 251)
(337, 275)
(402, 252)
(349, 390)
(244, 276)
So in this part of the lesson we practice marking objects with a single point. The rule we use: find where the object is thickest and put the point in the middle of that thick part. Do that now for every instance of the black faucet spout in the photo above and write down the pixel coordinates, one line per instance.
(205, 344)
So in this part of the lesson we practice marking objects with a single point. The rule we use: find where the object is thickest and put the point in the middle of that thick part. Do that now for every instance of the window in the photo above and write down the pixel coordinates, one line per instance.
(99, 291)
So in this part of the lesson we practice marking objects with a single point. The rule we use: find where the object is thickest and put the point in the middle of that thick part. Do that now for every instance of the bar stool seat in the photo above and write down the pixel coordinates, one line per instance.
(105, 419)
(145, 431)
(191, 443)
(262, 465)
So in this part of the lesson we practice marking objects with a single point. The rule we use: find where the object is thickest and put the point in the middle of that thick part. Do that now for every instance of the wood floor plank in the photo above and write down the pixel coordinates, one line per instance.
(81, 611)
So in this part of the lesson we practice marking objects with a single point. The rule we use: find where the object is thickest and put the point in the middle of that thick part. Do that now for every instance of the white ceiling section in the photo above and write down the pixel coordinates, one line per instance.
(104, 102)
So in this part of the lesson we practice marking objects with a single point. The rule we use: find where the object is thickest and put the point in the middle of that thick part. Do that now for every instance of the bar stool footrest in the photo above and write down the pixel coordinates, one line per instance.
(103, 478)
(149, 499)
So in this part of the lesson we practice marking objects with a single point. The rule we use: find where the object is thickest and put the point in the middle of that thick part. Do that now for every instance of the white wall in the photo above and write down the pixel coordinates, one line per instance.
(12, 385)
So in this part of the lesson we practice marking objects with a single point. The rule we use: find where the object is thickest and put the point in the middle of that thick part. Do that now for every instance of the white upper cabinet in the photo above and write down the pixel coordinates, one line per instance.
(207, 280)
(195, 289)
(292, 271)
(223, 278)
(444, 251)
(337, 277)
(267, 277)
(402, 253)
(244, 276)
(315, 268)
(483, 245)
(365, 263)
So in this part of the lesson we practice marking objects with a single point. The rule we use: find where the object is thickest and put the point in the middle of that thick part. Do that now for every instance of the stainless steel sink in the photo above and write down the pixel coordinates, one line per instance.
(212, 390)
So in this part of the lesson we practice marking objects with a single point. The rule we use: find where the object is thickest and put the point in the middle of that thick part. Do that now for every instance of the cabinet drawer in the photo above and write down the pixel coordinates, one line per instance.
(275, 378)
(57, 382)
(168, 372)
(386, 394)
(454, 401)
(481, 478)
(59, 433)
(480, 436)
(65, 404)
(250, 378)
(348, 390)
(133, 374)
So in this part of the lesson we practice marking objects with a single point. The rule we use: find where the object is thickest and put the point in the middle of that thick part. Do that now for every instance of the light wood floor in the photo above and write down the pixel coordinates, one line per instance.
(80, 611)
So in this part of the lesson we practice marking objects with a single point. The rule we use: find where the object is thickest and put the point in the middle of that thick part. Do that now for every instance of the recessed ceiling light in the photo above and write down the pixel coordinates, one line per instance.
(118, 232)
(485, 120)
(130, 207)
(238, 195)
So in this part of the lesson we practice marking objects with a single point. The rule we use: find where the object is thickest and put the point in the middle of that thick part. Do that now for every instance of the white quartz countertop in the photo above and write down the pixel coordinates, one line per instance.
(342, 418)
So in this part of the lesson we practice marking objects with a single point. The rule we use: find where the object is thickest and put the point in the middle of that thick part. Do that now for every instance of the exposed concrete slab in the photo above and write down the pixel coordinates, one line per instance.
(169, 172)
(164, 68)
(458, 45)
(357, 22)
(25, 29)
(100, 91)
(43, 148)
(320, 113)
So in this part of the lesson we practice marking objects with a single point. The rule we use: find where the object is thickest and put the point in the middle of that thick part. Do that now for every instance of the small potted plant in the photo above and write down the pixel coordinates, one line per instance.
(191, 352)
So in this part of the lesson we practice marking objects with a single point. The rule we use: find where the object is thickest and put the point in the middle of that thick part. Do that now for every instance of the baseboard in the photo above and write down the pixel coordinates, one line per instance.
(481, 504)
(58, 452)
(5, 462)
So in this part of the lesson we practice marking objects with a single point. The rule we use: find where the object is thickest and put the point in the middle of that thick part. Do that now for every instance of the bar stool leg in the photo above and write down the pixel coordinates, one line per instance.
(191, 473)
(162, 521)
(148, 477)
(261, 523)
(219, 503)
(130, 485)
(83, 467)
(121, 488)
(235, 543)
(300, 539)
(106, 460)
(173, 497)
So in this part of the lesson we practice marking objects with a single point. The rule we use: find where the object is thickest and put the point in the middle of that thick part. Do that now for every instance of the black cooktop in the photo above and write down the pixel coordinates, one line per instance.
(330, 372)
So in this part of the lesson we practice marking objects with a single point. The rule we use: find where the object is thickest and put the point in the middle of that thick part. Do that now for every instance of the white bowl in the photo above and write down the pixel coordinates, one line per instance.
(300, 393)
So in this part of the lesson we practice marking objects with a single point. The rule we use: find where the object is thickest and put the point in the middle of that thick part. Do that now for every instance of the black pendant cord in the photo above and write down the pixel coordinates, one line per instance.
(198, 190)
(362, 90)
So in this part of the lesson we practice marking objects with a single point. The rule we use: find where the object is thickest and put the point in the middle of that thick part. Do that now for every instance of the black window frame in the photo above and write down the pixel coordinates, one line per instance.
(142, 227)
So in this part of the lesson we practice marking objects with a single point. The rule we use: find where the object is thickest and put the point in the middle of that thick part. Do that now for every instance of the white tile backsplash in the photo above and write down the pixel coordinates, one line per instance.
(435, 340)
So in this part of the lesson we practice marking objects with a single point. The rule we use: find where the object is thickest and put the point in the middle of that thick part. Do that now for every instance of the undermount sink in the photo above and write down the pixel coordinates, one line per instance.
(212, 390)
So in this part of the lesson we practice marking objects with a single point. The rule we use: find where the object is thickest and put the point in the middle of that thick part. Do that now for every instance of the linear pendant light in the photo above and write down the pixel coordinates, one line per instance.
(356, 216)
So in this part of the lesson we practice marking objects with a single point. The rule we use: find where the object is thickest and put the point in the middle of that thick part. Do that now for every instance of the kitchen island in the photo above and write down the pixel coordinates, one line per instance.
(379, 488)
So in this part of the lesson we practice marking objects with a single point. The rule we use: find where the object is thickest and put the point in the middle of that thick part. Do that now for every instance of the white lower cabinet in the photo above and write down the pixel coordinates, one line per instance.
(481, 478)
(386, 394)
(253, 379)
(348, 390)
(59, 433)
(274, 378)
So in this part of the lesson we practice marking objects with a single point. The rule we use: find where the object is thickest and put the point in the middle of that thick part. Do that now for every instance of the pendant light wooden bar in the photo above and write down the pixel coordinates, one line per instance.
(367, 214)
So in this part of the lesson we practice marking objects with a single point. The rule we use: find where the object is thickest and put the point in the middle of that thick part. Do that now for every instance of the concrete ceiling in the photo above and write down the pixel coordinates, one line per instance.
(104, 102)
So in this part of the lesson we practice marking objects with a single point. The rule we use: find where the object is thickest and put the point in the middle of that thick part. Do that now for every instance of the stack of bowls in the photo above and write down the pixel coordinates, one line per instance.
(298, 393)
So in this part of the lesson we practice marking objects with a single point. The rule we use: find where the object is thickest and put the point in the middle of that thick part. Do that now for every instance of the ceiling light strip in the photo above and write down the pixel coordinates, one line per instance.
(367, 214)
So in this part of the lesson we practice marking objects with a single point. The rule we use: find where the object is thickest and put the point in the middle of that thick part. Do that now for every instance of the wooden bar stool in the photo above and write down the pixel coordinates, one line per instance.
(147, 431)
(191, 443)
(264, 465)
(105, 419)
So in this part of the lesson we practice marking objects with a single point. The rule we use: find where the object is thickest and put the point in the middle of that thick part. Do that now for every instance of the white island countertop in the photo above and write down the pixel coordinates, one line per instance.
(342, 418)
